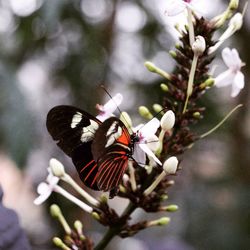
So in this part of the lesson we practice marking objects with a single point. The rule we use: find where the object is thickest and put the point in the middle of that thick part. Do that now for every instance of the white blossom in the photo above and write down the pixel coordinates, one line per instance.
(175, 7)
(233, 75)
(148, 141)
(44, 189)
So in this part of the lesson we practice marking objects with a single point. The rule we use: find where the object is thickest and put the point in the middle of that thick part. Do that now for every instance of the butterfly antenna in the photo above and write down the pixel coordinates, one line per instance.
(106, 91)
(153, 118)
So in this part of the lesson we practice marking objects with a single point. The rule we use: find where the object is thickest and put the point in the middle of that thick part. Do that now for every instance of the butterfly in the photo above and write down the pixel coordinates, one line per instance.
(99, 150)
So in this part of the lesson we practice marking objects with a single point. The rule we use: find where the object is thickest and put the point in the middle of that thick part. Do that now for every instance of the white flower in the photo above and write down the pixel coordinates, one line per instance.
(148, 141)
(45, 189)
(175, 7)
(107, 109)
(233, 75)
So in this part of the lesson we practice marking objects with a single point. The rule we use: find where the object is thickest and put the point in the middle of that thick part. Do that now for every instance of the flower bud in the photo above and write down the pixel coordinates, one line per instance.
(173, 54)
(168, 120)
(233, 5)
(59, 243)
(171, 208)
(236, 21)
(164, 87)
(157, 108)
(103, 198)
(151, 67)
(144, 112)
(96, 216)
(197, 115)
(55, 210)
(199, 45)
(170, 165)
(57, 167)
(160, 222)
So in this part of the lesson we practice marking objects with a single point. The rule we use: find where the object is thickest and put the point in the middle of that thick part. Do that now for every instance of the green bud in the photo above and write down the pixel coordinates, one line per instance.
(55, 211)
(122, 189)
(160, 222)
(163, 221)
(164, 197)
(209, 82)
(144, 112)
(177, 46)
(59, 243)
(157, 108)
(197, 115)
(96, 216)
(151, 67)
(233, 5)
(78, 226)
(103, 198)
(164, 87)
(173, 54)
(171, 208)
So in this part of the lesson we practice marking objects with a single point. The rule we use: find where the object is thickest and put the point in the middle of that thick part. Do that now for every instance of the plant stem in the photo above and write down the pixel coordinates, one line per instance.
(115, 230)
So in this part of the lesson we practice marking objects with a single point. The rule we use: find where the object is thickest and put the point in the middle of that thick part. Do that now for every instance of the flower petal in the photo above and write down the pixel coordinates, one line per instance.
(238, 84)
(139, 155)
(146, 149)
(113, 103)
(224, 79)
(150, 128)
(43, 188)
(45, 191)
(153, 142)
(231, 58)
(175, 7)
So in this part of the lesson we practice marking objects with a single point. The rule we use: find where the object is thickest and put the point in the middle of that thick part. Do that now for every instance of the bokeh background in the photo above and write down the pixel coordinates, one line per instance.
(59, 52)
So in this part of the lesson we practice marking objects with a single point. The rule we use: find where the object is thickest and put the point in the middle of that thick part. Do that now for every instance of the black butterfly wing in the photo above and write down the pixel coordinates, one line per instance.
(111, 150)
(74, 130)
(85, 164)
(71, 127)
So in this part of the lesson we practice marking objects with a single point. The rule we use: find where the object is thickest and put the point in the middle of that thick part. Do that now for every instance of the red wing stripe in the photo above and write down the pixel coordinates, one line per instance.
(92, 169)
(87, 165)
(111, 171)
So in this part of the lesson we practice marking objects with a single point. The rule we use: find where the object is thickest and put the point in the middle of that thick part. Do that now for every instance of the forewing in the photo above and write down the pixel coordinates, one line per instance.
(85, 164)
(71, 127)
(111, 168)
(111, 132)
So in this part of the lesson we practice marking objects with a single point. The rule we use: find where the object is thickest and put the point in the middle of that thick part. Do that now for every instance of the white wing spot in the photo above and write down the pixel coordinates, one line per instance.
(89, 131)
(111, 129)
(76, 119)
(112, 134)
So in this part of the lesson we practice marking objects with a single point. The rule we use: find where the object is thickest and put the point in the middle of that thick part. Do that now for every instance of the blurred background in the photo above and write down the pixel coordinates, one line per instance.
(59, 52)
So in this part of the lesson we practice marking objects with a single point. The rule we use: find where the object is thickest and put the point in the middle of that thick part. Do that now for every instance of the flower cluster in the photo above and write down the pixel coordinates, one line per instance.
(164, 136)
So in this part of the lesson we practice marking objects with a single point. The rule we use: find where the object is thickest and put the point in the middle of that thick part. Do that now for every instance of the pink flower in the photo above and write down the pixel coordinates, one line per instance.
(107, 109)
(233, 75)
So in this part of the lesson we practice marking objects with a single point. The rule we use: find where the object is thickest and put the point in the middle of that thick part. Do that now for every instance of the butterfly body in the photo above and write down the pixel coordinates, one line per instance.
(100, 151)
